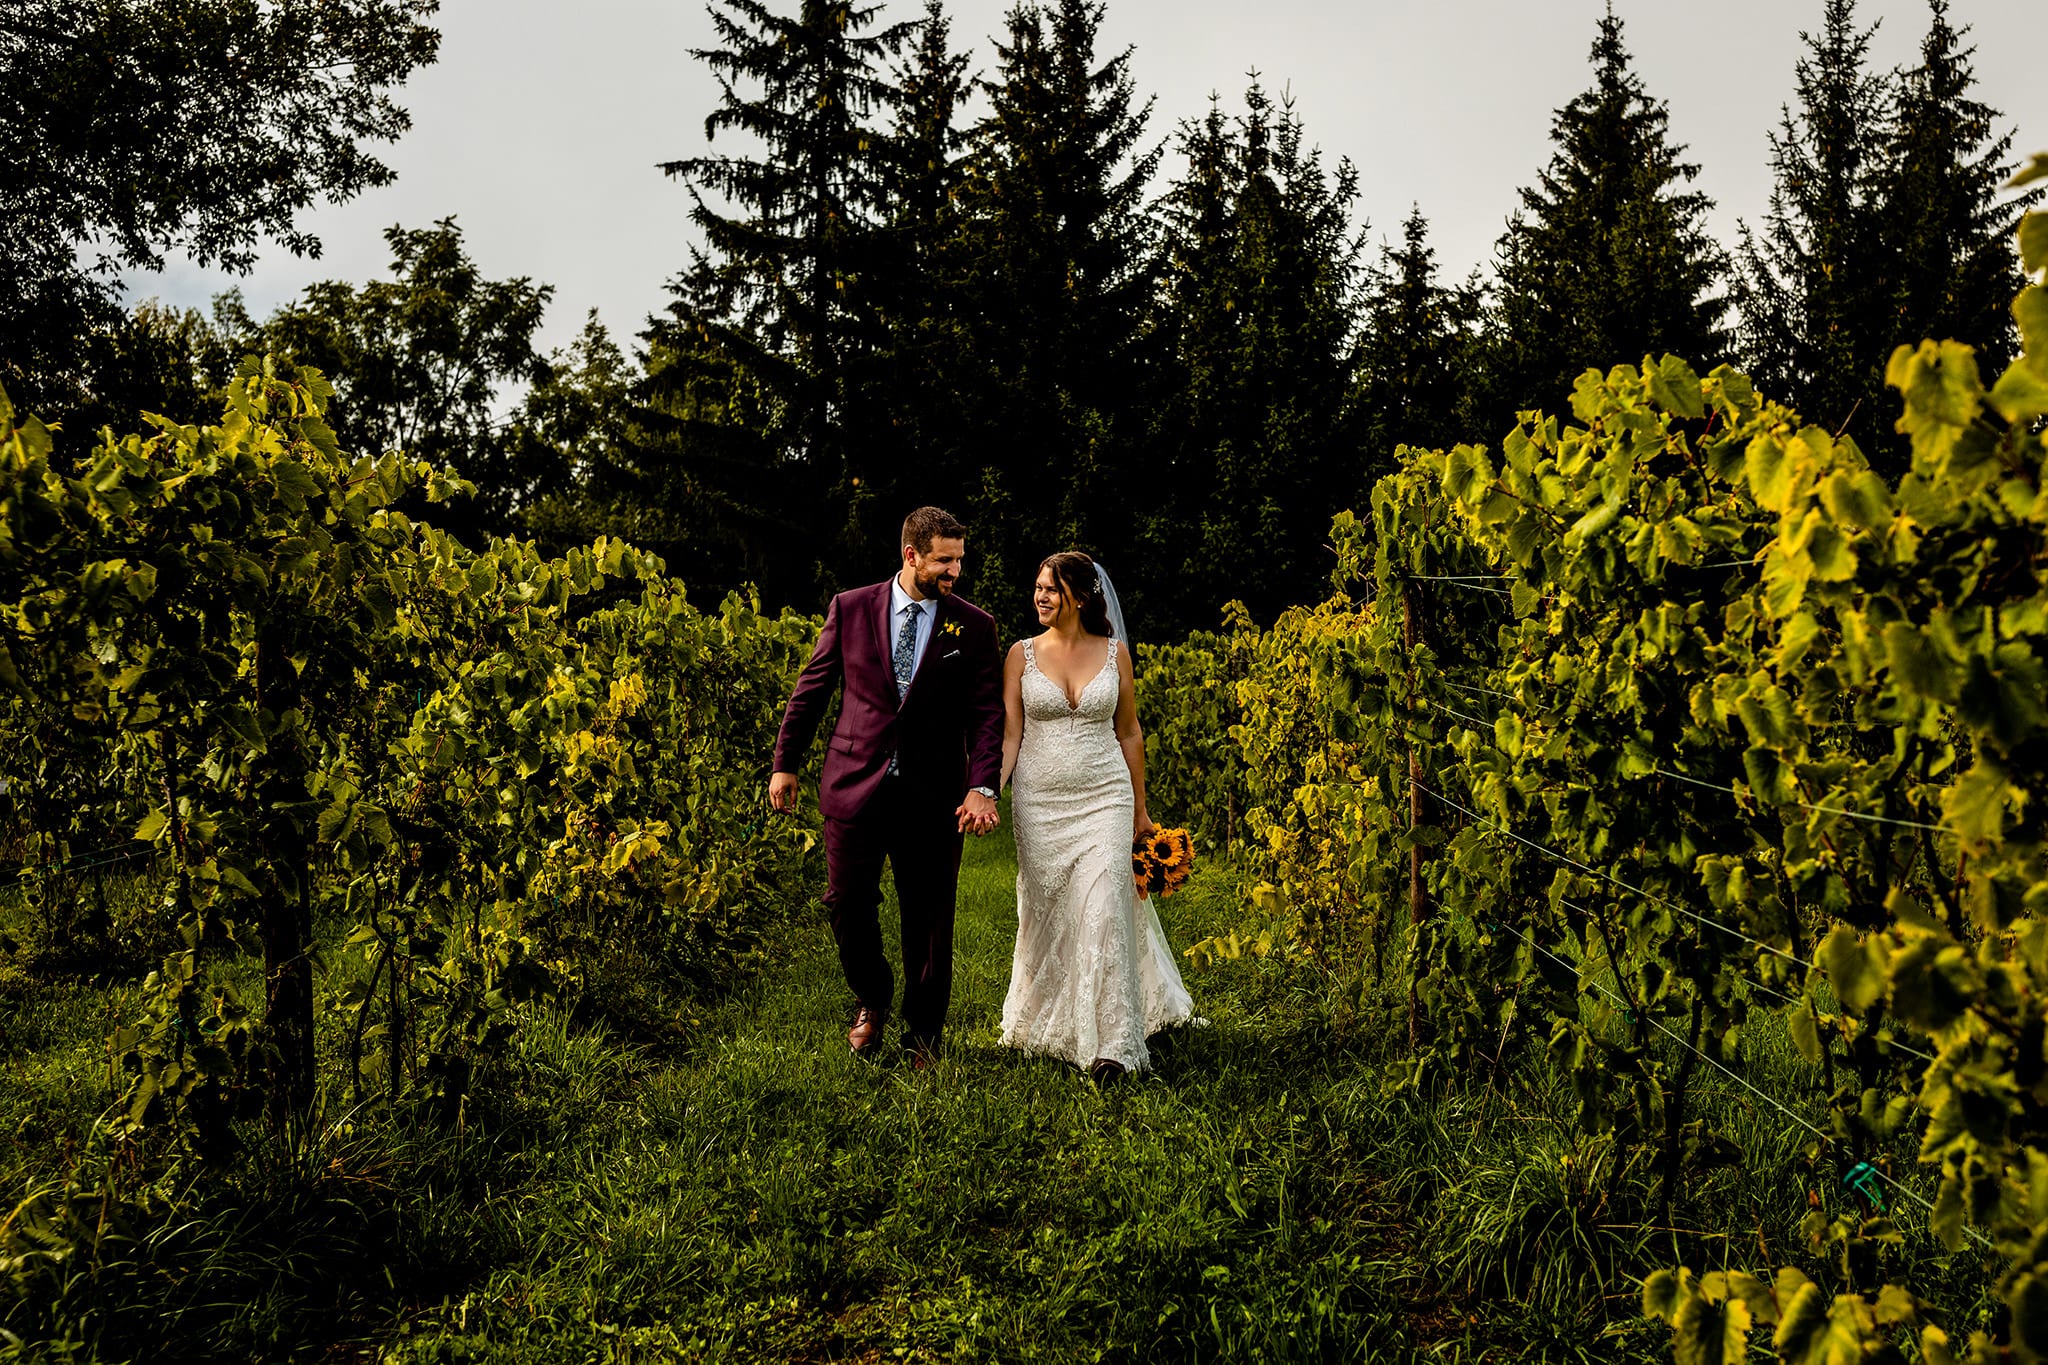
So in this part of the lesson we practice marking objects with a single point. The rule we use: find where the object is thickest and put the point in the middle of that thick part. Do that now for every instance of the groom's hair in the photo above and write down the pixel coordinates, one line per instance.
(928, 524)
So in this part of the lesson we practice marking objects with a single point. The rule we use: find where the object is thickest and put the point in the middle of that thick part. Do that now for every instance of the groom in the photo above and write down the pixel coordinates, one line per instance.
(912, 763)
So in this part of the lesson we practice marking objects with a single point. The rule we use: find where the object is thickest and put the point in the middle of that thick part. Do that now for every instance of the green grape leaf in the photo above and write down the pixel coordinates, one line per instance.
(1855, 966)
(2021, 393)
(1946, 1222)
(1858, 498)
(1805, 1036)
(2030, 310)
(1710, 1333)
(2034, 242)
(1975, 806)
(1664, 1291)
(1675, 388)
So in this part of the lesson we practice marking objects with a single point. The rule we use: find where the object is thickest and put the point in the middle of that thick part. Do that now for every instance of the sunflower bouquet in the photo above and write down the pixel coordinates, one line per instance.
(1162, 860)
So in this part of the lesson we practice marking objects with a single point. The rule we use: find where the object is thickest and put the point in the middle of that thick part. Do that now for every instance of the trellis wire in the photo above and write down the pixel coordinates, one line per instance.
(1726, 790)
(1739, 1079)
(1590, 871)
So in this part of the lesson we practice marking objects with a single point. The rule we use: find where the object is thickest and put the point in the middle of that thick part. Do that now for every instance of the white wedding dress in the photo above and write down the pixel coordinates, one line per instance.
(1093, 974)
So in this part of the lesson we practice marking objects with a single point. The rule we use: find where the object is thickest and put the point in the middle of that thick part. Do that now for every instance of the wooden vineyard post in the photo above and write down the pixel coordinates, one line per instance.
(1415, 906)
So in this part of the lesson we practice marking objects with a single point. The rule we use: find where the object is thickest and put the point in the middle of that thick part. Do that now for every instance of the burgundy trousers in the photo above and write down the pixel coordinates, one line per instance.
(920, 841)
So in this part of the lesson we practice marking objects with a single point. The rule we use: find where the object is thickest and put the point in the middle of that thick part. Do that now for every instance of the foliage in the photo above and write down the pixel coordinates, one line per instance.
(1886, 225)
(136, 127)
(1417, 349)
(1056, 248)
(1610, 254)
(781, 287)
(1814, 321)
(1255, 314)
(1189, 709)
(484, 774)
(1945, 268)
(417, 362)
(1716, 731)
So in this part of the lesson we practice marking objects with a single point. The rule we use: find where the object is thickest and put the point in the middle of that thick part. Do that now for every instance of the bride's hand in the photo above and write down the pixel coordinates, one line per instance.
(1142, 828)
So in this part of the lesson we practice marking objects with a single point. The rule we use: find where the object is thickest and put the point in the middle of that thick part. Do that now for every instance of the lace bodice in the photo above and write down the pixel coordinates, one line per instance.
(1046, 701)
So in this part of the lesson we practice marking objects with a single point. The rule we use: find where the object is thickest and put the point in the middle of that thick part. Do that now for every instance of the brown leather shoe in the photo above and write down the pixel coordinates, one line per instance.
(923, 1056)
(866, 1034)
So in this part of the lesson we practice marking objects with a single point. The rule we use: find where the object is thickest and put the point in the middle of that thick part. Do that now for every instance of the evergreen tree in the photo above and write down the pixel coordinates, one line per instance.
(1056, 251)
(1414, 355)
(1253, 451)
(776, 289)
(1609, 258)
(1946, 230)
(706, 448)
(1815, 329)
(917, 389)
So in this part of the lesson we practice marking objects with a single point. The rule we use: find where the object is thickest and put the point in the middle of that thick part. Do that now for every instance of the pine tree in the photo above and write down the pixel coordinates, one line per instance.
(1056, 258)
(1609, 258)
(1815, 330)
(1253, 445)
(1414, 354)
(788, 240)
(1950, 270)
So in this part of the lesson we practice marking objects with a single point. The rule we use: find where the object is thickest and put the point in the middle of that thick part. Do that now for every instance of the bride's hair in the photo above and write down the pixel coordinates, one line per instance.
(1075, 574)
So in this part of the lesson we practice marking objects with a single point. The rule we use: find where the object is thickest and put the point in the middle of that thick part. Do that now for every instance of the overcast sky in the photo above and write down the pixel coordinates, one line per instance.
(541, 125)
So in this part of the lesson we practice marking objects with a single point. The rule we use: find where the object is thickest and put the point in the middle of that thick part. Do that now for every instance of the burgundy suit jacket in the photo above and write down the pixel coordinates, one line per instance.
(948, 729)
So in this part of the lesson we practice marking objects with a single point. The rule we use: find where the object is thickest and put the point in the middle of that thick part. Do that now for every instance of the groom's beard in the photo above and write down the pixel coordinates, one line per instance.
(938, 585)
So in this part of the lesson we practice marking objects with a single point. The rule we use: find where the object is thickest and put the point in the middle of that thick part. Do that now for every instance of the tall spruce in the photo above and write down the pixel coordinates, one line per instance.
(788, 227)
(1415, 354)
(1609, 258)
(1816, 328)
(1949, 268)
(1056, 247)
(919, 394)
(1253, 449)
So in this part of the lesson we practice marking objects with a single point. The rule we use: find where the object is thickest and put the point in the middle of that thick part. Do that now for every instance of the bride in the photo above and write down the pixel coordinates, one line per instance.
(1093, 975)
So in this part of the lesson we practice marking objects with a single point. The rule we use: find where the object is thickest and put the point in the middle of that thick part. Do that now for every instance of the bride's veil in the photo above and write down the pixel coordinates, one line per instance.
(1116, 611)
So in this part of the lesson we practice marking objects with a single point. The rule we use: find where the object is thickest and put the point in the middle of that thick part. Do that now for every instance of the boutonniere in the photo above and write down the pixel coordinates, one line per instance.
(950, 628)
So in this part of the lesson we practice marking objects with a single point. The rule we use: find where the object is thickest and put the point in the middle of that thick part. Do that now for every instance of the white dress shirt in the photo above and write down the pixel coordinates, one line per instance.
(899, 602)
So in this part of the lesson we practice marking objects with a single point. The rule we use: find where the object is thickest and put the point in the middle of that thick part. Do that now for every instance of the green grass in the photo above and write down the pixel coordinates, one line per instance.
(754, 1193)
(772, 1197)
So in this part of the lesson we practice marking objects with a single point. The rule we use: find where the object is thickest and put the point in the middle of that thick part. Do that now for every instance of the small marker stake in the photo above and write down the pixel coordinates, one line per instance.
(1864, 1179)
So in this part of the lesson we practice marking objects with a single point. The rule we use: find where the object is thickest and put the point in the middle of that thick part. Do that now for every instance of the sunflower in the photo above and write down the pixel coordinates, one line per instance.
(1163, 860)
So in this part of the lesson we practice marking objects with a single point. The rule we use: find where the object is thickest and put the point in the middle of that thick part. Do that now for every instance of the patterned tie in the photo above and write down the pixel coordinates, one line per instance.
(905, 660)
(906, 650)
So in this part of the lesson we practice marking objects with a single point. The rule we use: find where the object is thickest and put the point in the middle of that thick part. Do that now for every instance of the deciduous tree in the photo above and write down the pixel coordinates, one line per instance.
(133, 128)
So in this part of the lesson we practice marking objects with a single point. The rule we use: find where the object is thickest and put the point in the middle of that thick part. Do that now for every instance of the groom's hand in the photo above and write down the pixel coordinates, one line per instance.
(782, 791)
(977, 814)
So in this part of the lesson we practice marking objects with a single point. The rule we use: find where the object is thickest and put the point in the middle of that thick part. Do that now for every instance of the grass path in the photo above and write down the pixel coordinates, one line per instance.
(770, 1197)
(753, 1193)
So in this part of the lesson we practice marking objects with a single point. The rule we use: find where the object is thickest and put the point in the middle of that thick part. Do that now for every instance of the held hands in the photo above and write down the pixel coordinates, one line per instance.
(977, 815)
